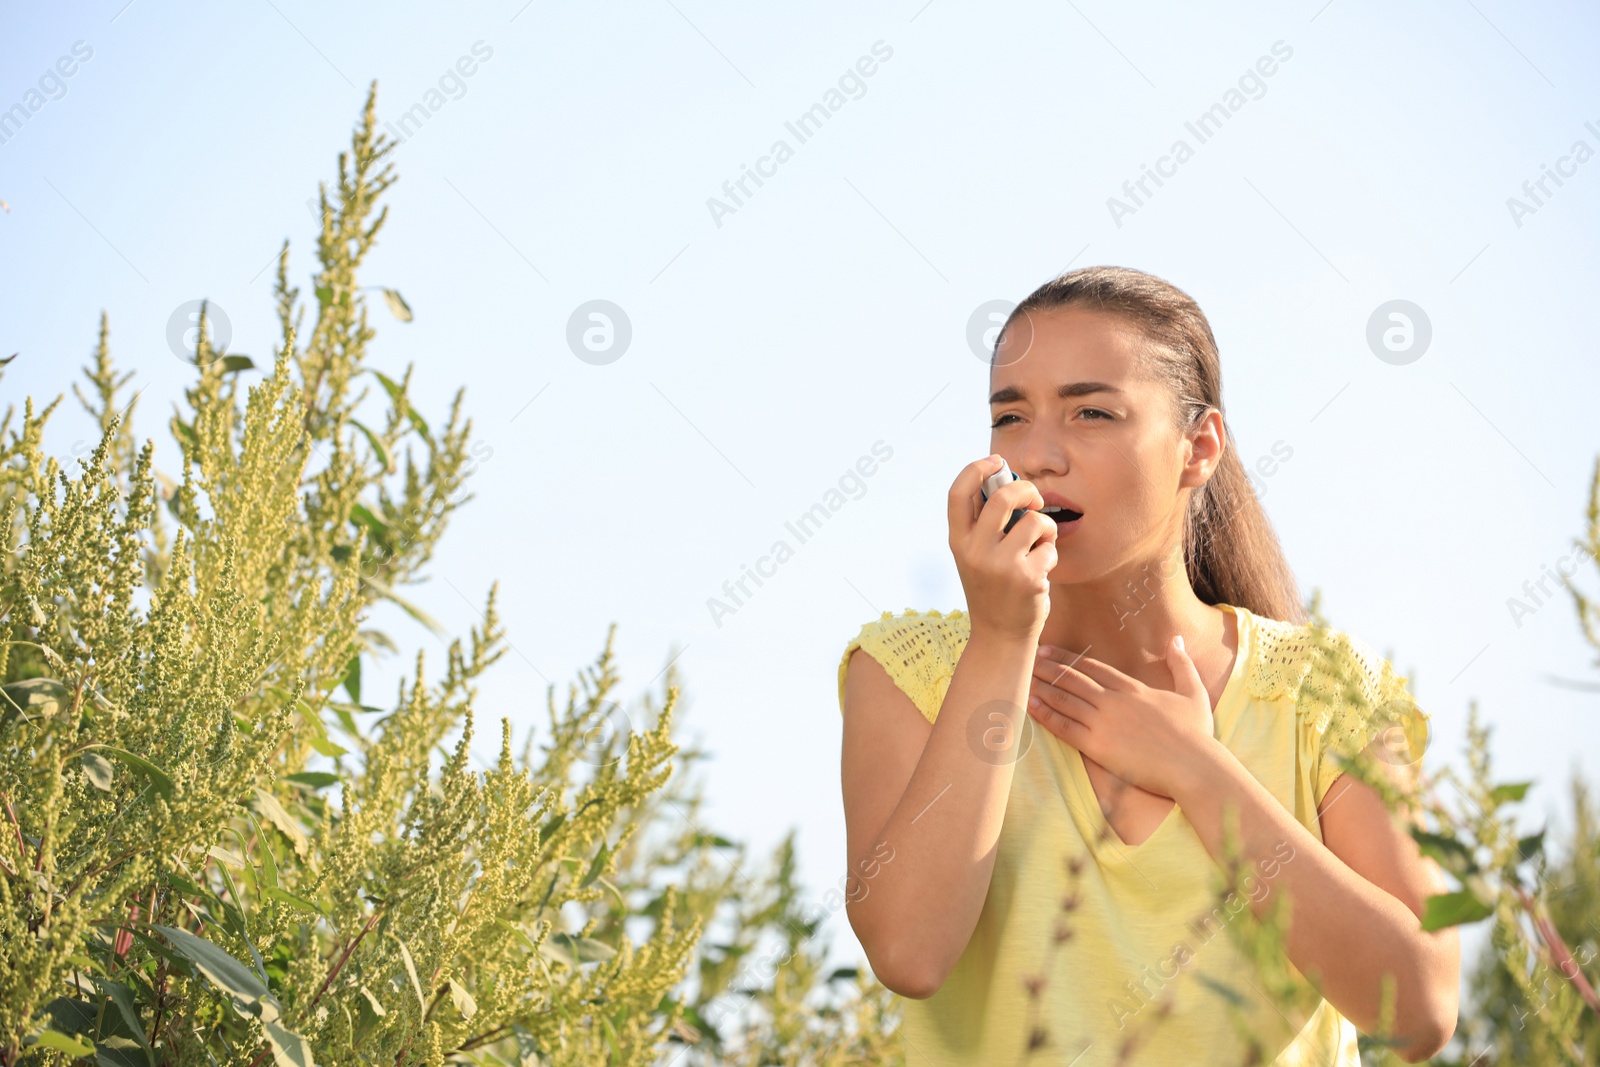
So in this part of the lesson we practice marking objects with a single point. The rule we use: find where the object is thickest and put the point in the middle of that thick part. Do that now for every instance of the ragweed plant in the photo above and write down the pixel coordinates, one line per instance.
(212, 850)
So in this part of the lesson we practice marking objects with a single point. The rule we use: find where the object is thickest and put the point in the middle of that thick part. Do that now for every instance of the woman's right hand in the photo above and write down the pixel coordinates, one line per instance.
(1006, 575)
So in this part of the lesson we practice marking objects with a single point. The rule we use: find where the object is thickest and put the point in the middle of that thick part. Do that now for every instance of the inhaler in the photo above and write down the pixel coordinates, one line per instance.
(995, 481)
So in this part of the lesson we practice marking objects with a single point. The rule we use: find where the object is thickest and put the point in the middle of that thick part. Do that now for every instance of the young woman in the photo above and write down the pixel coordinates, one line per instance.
(1042, 884)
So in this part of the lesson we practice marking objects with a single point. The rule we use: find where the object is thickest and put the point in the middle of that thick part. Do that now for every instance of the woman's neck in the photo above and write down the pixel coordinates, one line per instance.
(1126, 619)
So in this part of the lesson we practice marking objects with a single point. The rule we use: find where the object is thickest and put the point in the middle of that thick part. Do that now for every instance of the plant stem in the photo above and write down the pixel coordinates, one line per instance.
(333, 972)
(1558, 948)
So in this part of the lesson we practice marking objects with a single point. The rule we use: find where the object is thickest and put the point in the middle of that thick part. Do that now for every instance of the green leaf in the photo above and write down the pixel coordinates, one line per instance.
(269, 862)
(232, 364)
(548, 829)
(411, 970)
(1453, 909)
(714, 840)
(415, 612)
(118, 1035)
(596, 866)
(289, 1049)
(398, 397)
(378, 449)
(292, 899)
(390, 386)
(68, 1015)
(313, 779)
(1530, 846)
(352, 678)
(324, 747)
(266, 805)
(32, 696)
(373, 1002)
(528, 1052)
(462, 1000)
(234, 911)
(81, 1048)
(397, 304)
(1451, 854)
(317, 737)
(183, 887)
(1509, 791)
(122, 997)
(158, 777)
(844, 973)
(117, 1050)
(177, 962)
(324, 295)
(98, 770)
(347, 721)
(222, 855)
(573, 951)
(220, 969)
(360, 515)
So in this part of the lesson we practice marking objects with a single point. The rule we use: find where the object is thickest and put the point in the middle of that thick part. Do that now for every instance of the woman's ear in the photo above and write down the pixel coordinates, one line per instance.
(1210, 440)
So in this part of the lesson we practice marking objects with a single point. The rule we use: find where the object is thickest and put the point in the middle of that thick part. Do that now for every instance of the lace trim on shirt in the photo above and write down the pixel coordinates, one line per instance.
(918, 649)
(1345, 694)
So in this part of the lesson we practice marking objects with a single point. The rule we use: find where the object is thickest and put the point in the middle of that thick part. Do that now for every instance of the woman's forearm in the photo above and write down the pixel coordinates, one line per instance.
(1344, 931)
(917, 914)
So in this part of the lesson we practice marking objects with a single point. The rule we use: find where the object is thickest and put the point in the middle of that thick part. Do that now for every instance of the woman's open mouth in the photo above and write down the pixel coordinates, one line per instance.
(1062, 515)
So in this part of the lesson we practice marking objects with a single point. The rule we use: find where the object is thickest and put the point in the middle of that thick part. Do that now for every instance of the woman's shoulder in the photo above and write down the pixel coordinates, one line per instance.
(919, 625)
(1344, 692)
(918, 650)
(1307, 660)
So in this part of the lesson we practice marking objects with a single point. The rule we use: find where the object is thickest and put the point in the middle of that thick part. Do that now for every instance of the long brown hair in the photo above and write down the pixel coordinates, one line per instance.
(1229, 548)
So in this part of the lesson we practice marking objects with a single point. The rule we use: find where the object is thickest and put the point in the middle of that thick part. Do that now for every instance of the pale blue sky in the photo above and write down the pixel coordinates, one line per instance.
(773, 346)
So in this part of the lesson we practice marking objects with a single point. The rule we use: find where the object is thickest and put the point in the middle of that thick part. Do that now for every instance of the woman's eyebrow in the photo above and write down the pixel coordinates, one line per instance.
(1012, 392)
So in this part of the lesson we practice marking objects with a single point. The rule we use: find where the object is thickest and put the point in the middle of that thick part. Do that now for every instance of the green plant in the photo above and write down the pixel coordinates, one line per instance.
(208, 855)
(215, 850)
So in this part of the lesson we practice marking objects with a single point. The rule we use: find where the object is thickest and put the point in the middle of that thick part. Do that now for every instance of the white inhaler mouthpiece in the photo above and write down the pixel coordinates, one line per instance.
(994, 482)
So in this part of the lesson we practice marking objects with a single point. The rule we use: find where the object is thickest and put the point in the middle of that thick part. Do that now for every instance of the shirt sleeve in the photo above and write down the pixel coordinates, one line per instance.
(1350, 698)
(918, 651)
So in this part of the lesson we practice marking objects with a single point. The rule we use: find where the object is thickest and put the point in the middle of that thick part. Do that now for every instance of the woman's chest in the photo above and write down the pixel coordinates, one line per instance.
(1060, 800)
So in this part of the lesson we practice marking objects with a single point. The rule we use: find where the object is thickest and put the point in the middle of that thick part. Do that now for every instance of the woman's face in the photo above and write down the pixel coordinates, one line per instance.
(1109, 446)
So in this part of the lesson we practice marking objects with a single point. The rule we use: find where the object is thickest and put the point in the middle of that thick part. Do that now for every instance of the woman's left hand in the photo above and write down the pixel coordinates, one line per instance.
(1143, 735)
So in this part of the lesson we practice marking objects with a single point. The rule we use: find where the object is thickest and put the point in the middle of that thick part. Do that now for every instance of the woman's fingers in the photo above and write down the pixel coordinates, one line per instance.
(1067, 699)
(1103, 675)
(1046, 711)
(965, 499)
(1067, 677)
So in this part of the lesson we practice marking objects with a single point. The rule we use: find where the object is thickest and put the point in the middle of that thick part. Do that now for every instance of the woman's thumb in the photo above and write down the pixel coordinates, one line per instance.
(1185, 676)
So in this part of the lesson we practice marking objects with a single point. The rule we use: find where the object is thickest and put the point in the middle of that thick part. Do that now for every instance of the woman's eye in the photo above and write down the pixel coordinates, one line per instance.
(1102, 416)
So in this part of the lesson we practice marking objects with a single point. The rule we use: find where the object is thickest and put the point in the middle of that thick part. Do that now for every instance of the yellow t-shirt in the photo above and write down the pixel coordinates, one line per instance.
(1148, 960)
